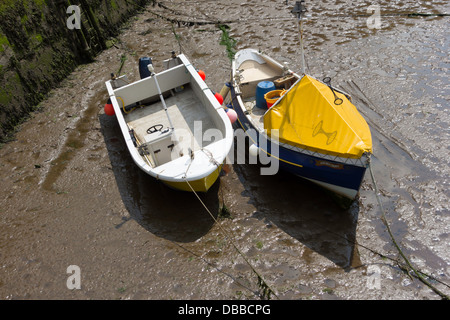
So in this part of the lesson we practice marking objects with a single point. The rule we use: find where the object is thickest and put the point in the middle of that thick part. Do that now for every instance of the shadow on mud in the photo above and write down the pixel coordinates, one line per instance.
(305, 212)
(170, 214)
(299, 208)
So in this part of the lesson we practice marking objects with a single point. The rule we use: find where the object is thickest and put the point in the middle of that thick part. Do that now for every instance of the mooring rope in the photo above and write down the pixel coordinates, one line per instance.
(417, 273)
(267, 290)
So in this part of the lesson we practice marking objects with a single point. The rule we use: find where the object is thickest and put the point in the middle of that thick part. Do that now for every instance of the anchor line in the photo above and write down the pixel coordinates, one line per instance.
(191, 154)
(189, 23)
(267, 290)
(416, 272)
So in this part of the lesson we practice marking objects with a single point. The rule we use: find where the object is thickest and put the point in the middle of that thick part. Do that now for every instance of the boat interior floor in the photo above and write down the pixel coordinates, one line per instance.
(252, 71)
(255, 114)
(186, 113)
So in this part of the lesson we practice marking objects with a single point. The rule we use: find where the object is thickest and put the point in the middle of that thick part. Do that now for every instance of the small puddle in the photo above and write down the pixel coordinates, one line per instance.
(75, 140)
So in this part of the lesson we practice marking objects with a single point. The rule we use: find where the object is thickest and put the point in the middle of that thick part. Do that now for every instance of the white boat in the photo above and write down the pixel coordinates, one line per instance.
(174, 127)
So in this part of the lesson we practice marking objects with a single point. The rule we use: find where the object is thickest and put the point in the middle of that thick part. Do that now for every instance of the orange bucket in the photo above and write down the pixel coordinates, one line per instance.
(272, 96)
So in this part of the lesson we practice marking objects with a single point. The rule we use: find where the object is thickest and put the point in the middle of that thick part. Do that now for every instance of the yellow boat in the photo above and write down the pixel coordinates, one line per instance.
(313, 130)
(174, 127)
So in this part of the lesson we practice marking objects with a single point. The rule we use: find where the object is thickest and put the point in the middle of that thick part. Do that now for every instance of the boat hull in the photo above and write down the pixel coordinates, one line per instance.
(199, 185)
(175, 129)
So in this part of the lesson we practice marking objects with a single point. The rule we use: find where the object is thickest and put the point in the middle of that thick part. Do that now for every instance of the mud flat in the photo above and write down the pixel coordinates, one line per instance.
(71, 195)
(42, 42)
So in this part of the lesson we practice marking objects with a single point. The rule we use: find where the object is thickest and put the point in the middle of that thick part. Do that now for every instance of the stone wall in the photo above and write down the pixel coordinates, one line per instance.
(38, 50)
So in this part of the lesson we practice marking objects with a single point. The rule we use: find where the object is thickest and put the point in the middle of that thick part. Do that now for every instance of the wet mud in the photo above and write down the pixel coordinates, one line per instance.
(71, 194)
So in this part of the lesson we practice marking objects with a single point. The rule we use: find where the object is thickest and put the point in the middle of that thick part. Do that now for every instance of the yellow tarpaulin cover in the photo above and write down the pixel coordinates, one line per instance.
(307, 117)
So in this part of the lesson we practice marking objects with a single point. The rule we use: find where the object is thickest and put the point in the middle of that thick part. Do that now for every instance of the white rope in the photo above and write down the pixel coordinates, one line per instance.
(211, 157)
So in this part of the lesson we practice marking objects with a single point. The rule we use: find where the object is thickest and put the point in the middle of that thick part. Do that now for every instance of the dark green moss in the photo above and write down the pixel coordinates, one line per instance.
(41, 51)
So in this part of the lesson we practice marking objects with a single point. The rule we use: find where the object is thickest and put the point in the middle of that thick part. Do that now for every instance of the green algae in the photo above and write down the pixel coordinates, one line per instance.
(37, 50)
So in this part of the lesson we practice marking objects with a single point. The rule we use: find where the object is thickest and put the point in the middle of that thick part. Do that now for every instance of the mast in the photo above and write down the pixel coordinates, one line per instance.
(299, 9)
